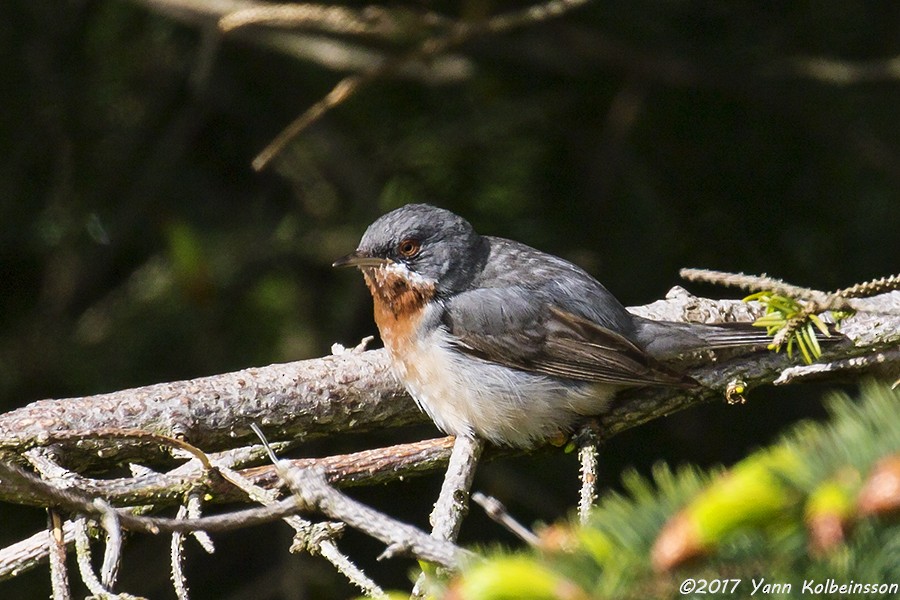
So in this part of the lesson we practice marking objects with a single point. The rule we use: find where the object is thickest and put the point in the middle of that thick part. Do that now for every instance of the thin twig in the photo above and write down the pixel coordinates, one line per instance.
(77, 501)
(333, 19)
(28, 553)
(59, 577)
(329, 550)
(83, 556)
(136, 435)
(195, 511)
(870, 288)
(751, 283)
(821, 301)
(315, 538)
(112, 555)
(588, 457)
(312, 490)
(841, 72)
(268, 497)
(340, 92)
(44, 463)
(378, 464)
(176, 558)
(494, 509)
(888, 360)
(459, 33)
(321, 536)
(453, 501)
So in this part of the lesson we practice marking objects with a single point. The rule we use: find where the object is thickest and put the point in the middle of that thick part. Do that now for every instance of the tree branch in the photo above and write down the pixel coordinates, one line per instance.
(354, 392)
(299, 401)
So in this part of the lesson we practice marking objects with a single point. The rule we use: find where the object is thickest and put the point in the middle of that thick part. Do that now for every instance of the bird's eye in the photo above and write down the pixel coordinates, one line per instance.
(409, 247)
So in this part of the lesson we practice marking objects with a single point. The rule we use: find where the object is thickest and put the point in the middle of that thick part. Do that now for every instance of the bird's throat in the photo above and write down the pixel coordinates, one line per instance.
(399, 301)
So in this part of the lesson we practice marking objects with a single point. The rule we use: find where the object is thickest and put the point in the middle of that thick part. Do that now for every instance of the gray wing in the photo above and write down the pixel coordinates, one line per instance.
(523, 329)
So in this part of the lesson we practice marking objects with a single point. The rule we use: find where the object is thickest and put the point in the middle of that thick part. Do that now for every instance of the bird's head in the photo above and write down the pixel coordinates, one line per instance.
(425, 245)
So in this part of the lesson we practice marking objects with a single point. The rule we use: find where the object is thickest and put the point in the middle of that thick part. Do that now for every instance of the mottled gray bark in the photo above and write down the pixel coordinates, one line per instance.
(340, 395)
(334, 395)
(355, 392)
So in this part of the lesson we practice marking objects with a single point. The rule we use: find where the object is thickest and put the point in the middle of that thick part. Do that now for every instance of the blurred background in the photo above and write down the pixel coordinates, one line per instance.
(137, 244)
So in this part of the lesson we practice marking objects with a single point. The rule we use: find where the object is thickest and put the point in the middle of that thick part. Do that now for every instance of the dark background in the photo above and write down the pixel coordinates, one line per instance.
(137, 244)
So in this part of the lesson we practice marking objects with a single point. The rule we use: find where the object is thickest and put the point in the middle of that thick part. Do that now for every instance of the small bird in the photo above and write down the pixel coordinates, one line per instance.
(495, 339)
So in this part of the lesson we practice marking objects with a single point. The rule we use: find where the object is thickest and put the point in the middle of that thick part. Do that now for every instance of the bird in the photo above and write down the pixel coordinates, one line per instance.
(498, 340)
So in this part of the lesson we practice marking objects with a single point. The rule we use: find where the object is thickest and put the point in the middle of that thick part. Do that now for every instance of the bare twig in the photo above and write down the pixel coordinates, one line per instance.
(43, 462)
(887, 363)
(871, 288)
(460, 33)
(366, 467)
(338, 94)
(329, 550)
(311, 489)
(24, 555)
(176, 558)
(587, 456)
(79, 502)
(83, 555)
(494, 509)
(390, 21)
(369, 466)
(191, 509)
(751, 283)
(319, 539)
(59, 577)
(453, 501)
(109, 518)
(842, 72)
(125, 435)
(315, 538)
(333, 19)
(194, 511)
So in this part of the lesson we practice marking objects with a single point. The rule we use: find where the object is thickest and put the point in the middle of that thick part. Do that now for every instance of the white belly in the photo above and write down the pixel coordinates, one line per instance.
(465, 395)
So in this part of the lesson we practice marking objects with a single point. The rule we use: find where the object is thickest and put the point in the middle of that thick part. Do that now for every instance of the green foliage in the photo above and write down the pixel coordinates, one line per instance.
(787, 317)
(513, 577)
(753, 522)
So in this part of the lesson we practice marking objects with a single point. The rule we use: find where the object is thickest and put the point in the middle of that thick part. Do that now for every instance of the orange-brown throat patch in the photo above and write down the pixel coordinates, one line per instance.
(398, 303)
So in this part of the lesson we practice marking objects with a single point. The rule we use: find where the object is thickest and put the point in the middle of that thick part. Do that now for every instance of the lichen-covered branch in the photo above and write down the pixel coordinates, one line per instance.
(335, 395)
(298, 401)
(355, 391)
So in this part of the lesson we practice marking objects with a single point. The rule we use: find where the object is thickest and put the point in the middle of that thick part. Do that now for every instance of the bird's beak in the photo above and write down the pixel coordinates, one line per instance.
(356, 259)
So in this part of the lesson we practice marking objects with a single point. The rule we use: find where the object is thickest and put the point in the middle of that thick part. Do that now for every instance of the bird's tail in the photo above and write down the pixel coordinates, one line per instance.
(666, 340)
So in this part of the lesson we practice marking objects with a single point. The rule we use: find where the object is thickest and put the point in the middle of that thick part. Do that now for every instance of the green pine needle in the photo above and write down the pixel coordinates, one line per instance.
(784, 312)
